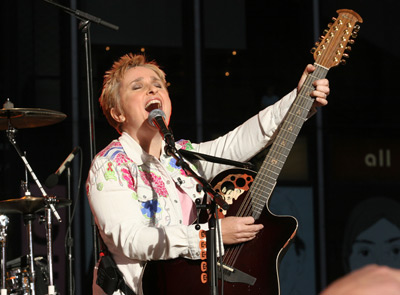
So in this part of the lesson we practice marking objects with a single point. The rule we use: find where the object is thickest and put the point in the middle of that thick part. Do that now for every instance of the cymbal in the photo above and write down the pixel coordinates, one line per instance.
(29, 205)
(29, 118)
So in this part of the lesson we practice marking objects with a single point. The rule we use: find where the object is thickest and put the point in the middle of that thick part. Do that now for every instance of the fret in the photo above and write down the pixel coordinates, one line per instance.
(302, 107)
(269, 186)
(291, 128)
(282, 147)
(266, 170)
(296, 119)
(257, 205)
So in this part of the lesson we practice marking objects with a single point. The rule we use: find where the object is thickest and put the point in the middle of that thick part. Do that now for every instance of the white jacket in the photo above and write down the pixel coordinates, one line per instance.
(133, 195)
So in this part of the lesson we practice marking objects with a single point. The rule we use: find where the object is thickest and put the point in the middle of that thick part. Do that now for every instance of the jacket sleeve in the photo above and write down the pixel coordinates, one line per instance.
(245, 141)
(125, 220)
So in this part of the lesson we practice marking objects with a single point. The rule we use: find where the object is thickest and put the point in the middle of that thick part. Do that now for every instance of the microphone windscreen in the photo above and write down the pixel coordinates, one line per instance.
(155, 113)
(51, 181)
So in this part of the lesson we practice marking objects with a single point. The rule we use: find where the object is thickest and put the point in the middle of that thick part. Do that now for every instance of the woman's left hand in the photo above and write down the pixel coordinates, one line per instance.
(321, 87)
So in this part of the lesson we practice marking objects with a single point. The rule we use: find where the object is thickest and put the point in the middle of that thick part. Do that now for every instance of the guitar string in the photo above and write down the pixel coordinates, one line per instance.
(245, 209)
(258, 187)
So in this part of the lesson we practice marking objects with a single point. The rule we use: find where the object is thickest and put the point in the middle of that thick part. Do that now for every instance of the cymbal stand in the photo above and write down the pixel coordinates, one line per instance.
(11, 133)
(28, 222)
(3, 234)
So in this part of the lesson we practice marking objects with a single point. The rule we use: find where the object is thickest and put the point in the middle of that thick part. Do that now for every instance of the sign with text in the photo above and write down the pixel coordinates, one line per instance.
(357, 158)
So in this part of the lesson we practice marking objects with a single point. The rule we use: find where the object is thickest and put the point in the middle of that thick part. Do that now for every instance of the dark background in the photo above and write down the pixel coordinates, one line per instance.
(43, 66)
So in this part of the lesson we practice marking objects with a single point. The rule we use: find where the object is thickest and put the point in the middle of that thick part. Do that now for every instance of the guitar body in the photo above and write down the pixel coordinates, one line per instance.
(258, 258)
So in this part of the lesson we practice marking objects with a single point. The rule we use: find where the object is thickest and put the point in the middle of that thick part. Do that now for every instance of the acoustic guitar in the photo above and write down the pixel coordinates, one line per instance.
(252, 267)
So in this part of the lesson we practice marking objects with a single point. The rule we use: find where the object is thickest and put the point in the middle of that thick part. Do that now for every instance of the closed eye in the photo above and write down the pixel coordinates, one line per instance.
(136, 86)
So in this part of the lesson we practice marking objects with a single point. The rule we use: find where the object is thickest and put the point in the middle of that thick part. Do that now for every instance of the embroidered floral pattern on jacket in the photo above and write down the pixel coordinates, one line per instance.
(111, 150)
(155, 182)
(150, 208)
(173, 166)
(126, 175)
(186, 144)
(110, 173)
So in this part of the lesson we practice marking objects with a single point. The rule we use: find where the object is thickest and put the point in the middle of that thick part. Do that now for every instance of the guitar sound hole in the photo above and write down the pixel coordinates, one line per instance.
(240, 182)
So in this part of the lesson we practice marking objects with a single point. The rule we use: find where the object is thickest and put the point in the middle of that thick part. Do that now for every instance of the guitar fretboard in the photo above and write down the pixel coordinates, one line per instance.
(267, 176)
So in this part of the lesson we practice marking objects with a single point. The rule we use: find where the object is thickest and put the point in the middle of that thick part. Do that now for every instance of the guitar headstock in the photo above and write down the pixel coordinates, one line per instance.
(330, 51)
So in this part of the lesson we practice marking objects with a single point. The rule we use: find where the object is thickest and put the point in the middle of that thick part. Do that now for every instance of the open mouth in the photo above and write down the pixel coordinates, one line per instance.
(152, 105)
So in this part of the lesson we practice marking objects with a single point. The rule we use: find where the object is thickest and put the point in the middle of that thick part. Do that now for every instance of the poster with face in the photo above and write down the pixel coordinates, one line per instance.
(372, 234)
(362, 204)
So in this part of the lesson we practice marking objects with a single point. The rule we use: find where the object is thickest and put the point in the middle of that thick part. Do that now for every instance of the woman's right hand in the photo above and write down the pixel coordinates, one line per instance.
(239, 229)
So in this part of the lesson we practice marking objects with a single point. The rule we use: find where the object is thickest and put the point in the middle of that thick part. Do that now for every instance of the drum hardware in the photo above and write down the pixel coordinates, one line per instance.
(23, 279)
(4, 221)
(29, 118)
(30, 204)
(19, 278)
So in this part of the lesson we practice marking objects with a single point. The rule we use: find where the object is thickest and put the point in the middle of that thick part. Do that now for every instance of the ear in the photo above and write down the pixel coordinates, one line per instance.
(117, 116)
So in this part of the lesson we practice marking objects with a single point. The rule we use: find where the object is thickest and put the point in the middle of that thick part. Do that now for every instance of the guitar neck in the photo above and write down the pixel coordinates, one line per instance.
(267, 176)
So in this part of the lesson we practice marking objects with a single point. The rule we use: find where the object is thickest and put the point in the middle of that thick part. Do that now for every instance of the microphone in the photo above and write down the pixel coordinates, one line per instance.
(157, 119)
(52, 180)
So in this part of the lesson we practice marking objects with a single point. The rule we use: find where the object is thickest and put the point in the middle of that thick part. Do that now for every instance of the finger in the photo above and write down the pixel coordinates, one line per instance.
(323, 89)
(321, 102)
(309, 69)
(320, 94)
(246, 238)
(248, 220)
(323, 82)
(255, 228)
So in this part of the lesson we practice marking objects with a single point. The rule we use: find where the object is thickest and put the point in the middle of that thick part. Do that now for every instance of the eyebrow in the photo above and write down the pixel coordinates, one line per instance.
(153, 78)
(393, 240)
(363, 242)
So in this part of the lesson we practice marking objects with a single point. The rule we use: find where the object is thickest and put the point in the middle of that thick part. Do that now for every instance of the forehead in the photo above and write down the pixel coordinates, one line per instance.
(139, 72)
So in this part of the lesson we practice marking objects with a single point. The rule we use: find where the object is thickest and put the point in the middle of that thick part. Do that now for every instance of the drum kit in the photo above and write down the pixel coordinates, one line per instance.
(23, 278)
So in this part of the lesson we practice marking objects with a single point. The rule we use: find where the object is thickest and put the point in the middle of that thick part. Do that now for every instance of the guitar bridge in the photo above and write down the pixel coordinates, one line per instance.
(234, 275)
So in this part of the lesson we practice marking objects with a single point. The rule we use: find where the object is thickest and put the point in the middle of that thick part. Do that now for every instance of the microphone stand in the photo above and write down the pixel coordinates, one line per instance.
(84, 26)
(216, 200)
(70, 240)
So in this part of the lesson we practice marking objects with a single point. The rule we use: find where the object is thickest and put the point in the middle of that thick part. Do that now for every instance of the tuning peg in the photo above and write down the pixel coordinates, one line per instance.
(343, 62)
(313, 50)
(354, 35)
(330, 25)
(326, 31)
(334, 19)
(356, 28)
(345, 55)
(351, 41)
(348, 48)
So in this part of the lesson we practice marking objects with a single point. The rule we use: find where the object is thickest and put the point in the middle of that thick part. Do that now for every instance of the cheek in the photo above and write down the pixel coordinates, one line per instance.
(168, 108)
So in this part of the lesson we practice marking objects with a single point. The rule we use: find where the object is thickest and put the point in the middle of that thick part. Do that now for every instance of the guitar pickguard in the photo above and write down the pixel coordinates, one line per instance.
(232, 187)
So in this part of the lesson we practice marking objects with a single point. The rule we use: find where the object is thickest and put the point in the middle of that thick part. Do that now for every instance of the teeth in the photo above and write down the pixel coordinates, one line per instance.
(153, 101)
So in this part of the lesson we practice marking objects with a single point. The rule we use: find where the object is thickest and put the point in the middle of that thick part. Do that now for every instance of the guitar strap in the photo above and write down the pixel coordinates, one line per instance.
(109, 277)
(198, 156)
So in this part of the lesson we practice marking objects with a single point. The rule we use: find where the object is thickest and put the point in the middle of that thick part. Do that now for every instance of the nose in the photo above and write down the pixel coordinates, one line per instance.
(152, 89)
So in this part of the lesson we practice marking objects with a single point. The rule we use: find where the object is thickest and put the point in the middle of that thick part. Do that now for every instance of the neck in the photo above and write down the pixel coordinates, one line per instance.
(148, 138)
(151, 145)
